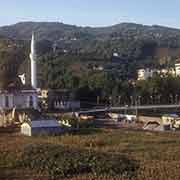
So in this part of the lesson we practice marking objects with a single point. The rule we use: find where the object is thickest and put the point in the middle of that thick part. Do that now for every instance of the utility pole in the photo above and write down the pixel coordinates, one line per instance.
(126, 109)
(139, 100)
(110, 101)
(136, 104)
(151, 99)
(98, 99)
(119, 100)
(176, 99)
(131, 97)
(171, 98)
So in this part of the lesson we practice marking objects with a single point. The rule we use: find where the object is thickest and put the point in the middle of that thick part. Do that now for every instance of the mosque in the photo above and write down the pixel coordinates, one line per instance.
(26, 97)
(19, 103)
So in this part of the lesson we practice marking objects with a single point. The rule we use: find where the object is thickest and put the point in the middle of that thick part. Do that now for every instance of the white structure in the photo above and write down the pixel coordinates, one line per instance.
(172, 71)
(46, 126)
(22, 78)
(21, 99)
(115, 54)
(33, 58)
(24, 97)
(144, 74)
(166, 72)
(177, 68)
(65, 105)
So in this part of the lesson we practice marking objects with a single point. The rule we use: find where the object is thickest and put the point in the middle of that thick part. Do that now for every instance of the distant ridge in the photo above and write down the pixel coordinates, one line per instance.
(56, 30)
(129, 40)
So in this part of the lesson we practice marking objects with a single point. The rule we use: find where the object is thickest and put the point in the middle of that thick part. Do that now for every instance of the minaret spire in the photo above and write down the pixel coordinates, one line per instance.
(33, 58)
(33, 44)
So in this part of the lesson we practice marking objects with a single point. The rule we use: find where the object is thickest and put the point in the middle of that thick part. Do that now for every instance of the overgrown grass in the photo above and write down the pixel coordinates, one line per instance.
(158, 154)
(59, 161)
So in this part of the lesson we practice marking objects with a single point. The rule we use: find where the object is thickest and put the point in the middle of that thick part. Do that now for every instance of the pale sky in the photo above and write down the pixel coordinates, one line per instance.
(92, 12)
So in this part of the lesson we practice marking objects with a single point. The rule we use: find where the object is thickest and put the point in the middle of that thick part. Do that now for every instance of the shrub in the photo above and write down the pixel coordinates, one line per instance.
(73, 121)
(59, 161)
(8, 159)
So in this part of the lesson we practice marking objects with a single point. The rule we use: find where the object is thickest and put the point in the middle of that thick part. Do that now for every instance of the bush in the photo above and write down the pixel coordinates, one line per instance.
(73, 121)
(59, 161)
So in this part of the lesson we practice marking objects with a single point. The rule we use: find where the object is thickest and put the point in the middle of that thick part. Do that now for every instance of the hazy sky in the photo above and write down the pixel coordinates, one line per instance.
(92, 12)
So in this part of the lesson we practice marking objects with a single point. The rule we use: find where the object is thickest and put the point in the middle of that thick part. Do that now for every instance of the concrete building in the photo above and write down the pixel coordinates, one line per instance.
(171, 120)
(58, 99)
(115, 54)
(172, 71)
(166, 72)
(19, 99)
(177, 69)
(144, 74)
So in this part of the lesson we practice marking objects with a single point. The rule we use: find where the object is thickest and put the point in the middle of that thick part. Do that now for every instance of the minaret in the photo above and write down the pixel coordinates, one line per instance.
(33, 58)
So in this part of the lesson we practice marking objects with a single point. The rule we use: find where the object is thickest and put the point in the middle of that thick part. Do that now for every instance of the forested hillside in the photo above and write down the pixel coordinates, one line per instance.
(128, 39)
(81, 59)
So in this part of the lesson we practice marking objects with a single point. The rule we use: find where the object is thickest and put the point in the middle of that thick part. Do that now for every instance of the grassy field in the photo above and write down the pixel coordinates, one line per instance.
(156, 154)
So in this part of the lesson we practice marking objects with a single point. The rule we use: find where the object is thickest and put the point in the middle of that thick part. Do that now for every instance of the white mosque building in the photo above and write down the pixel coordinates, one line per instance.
(26, 97)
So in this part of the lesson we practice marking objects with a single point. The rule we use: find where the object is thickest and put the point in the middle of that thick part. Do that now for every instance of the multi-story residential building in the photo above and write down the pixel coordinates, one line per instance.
(177, 69)
(144, 74)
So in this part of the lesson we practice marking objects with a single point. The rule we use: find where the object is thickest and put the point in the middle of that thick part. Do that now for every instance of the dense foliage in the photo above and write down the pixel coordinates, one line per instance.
(60, 161)
(11, 57)
(157, 154)
(128, 39)
(107, 87)
(78, 52)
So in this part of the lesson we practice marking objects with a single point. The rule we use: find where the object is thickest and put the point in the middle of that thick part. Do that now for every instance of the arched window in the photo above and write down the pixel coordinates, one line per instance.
(6, 101)
(31, 101)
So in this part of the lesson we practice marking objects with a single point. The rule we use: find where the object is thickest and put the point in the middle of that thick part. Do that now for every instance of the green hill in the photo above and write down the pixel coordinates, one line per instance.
(128, 39)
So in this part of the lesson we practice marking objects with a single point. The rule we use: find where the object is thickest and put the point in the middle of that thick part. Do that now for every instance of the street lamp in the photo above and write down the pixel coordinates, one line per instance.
(136, 98)
(125, 109)
(110, 101)
(98, 99)
(176, 99)
(136, 103)
(119, 100)
(159, 99)
(151, 97)
(139, 100)
(131, 97)
(171, 98)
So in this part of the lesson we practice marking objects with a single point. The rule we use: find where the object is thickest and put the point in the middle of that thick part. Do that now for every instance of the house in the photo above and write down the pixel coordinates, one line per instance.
(58, 99)
(144, 74)
(41, 126)
(171, 120)
(98, 68)
(166, 72)
(177, 69)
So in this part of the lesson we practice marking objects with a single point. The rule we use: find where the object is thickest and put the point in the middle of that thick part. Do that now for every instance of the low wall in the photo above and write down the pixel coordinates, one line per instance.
(146, 119)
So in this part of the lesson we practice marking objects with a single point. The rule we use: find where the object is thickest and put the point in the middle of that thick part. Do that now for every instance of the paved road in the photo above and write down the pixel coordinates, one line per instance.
(133, 108)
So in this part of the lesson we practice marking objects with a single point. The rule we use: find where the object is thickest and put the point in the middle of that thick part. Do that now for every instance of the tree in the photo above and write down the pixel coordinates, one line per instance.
(10, 60)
